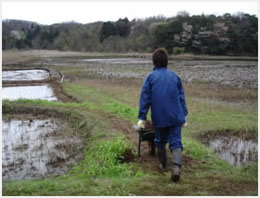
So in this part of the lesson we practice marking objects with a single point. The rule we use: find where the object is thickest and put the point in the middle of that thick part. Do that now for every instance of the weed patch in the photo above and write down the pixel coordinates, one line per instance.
(122, 110)
(102, 159)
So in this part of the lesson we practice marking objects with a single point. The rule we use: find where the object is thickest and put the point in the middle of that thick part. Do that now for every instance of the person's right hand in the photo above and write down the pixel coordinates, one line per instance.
(140, 124)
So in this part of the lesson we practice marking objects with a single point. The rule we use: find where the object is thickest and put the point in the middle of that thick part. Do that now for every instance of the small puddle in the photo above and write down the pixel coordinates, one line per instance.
(43, 92)
(37, 148)
(234, 150)
(25, 75)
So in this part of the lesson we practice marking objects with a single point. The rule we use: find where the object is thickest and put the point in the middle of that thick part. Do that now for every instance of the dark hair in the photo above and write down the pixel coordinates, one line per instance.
(160, 57)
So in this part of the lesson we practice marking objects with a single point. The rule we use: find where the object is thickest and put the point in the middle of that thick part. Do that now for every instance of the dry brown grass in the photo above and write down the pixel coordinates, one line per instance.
(126, 91)
(15, 56)
(189, 56)
(11, 56)
(18, 56)
(221, 93)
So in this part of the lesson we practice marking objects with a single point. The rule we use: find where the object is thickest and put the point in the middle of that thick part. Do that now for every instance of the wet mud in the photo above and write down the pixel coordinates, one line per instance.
(234, 150)
(58, 152)
(229, 74)
(239, 74)
(118, 61)
(25, 75)
(29, 82)
(38, 147)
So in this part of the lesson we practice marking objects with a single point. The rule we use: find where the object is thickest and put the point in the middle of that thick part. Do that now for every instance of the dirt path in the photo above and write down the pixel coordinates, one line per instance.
(147, 162)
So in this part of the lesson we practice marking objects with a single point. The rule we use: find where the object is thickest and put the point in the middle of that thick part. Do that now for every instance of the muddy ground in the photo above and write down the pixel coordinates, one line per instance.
(27, 74)
(232, 74)
(36, 147)
(23, 78)
(39, 143)
(23, 75)
(239, 74)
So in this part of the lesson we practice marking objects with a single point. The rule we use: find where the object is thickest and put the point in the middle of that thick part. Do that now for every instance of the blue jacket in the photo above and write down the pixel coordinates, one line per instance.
(163, 91)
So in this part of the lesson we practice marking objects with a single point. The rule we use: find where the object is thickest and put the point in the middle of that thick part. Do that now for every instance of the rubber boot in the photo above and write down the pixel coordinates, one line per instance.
(162, 154)
(177, 161)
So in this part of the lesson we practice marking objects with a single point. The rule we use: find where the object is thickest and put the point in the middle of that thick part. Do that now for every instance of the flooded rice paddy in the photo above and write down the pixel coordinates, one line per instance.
(17, 88)
(25, 75)
(43, 92)
(35, 148)
(118, 61)
(234, 150)
(240, 74)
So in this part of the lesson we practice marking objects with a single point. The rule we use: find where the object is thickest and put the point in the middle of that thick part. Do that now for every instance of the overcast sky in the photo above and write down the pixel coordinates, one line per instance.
(86, 12)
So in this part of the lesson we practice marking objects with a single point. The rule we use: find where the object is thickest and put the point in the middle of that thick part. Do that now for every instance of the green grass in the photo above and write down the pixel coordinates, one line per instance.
(122, 111)
(203, 116)
(207, 116)
(102, 173)
(84, 104)
(102, 159)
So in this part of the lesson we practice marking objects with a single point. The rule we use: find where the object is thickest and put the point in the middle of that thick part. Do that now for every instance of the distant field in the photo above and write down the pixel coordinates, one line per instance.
(12, 56)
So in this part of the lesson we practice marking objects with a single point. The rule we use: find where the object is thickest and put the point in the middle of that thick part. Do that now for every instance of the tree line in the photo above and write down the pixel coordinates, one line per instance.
(228, 34)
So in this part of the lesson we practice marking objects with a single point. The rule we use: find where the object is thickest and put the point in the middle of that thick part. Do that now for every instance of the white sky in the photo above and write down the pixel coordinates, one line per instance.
(86, 12)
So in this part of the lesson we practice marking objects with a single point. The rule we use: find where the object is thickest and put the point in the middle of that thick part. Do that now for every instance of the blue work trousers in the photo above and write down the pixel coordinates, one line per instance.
(171, 135)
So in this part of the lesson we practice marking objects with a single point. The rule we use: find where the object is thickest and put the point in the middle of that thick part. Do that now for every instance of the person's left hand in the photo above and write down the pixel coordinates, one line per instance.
(185, 124)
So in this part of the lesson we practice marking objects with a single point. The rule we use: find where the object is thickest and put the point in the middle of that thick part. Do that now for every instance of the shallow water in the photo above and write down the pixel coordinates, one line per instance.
(25, 75)
(43, 92)
(238, 74)
(37, 148)
(235, 150)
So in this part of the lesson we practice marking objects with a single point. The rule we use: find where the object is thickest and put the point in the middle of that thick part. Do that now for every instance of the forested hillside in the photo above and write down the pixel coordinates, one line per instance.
(198, 34)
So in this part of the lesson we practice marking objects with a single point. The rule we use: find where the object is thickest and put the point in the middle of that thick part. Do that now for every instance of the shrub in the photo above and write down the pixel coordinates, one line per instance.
(178, 50)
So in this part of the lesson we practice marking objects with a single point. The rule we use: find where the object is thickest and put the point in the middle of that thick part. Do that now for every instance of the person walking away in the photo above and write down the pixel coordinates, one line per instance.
(162, 90)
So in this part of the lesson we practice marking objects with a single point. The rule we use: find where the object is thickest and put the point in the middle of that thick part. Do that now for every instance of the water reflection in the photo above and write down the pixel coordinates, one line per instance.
(235, 150)
(35, 148)
(25, 75)
(43, 92)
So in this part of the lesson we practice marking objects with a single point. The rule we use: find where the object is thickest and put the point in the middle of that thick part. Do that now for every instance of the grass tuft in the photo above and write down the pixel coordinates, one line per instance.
(102, 159)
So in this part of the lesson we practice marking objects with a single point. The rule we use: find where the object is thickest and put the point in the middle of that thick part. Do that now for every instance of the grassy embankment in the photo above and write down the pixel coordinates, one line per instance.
(100, 173)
